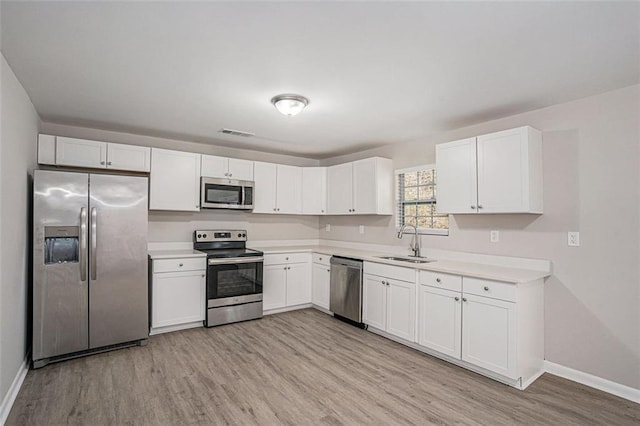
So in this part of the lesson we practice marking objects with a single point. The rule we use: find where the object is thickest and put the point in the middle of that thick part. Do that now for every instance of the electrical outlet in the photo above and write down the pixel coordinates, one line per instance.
(495, 236)
(362, 229)
(573, 239)
(327, 228)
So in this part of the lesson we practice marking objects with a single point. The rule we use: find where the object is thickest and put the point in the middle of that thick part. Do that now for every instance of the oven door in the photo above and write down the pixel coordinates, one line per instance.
(226, 194)
(232, 281)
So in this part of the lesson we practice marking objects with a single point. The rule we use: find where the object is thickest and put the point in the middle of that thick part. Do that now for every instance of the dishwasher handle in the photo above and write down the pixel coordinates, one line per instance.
(346, 261)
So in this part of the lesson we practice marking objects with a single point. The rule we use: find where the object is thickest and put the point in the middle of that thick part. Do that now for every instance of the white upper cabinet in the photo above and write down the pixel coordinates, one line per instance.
(128, 157)
(223, 167)
(495, 173)
(174, 183)
(62, 151)
(278, 188)
(340, 189)
(81, 153)
(361, 187)
(314, 190)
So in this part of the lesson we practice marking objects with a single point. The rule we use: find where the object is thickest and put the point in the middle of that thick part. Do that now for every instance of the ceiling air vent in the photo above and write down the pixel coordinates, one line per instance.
(236, 133)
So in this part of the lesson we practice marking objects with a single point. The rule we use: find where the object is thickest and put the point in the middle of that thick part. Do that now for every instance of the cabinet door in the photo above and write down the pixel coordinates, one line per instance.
(489, 334)
(401, 309)
(440, 320)
(320, 282)
(274, 287)
(177, 298)
(503, 186)
(174, 181)
(314, 190)
(265, 187)
(240, 169)
(298, 284)
(214, 166)
(81, 153)
(289, 189)
(374, 302)
(456, 176)
(365, 189)
(128, 157)
(340, 189)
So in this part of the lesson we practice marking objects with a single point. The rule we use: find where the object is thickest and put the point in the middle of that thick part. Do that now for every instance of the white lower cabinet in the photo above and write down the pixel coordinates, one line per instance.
(389, 304)
(489, 334)
(320, 281)
(178, 298)
(286, 284)
(496, 326)
(440, 320)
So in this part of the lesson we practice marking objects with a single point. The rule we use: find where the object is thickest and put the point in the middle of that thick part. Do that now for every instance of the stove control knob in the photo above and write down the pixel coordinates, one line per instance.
(244, 235)
(239, 235)
(199, 235)
(204, 235)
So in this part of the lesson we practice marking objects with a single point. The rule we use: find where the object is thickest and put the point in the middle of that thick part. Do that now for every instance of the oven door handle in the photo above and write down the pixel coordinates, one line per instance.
(234, 260)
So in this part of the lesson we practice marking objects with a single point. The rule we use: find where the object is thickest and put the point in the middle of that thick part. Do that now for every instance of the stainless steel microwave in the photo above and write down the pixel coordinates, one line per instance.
(219, 193)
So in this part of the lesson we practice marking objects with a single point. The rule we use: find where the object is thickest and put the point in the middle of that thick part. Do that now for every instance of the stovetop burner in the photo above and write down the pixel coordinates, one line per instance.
(223, 243)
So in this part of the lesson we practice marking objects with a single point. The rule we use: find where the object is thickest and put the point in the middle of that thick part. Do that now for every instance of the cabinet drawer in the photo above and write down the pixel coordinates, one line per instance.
(440, 280)
(282, 258)
(487, 288)
(322, 259)
(389, 271)
(180, 264)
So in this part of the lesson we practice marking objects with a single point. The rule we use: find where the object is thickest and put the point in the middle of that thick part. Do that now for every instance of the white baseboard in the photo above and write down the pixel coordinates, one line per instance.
(13, 390)
(170, 328)
(286, 309)
(595, 382)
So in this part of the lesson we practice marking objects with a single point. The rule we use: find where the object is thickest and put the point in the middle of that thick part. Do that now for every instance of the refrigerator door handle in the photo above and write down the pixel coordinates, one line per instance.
(82, 255)
(94, 243)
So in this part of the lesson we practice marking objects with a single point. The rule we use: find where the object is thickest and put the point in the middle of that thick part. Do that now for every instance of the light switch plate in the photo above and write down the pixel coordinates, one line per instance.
(495, 236)
(362, 229)
(327, 228)
(573, 239)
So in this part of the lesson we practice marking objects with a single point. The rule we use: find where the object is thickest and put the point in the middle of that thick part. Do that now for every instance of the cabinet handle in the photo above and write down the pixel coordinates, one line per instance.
(202, 275)
(181, 265)
(286, 258)
(321, 211)
(274, 209)
(285, 268)
(473, 207)
(230, 174)
(226, 174)
(456, 298)
(486, 288)
(479, 206)
(437, 280)
(464, 299)
(328, 270)
(102, 163)
(109, 163)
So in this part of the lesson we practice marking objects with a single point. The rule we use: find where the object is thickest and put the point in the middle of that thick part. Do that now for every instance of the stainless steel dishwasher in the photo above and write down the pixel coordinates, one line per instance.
(346, 289)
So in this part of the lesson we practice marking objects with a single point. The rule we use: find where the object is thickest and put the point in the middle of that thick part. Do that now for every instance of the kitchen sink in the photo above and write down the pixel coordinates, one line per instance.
(406, 259)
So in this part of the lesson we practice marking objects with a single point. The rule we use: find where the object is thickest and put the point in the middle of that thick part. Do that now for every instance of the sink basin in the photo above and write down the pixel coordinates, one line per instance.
(407, 259)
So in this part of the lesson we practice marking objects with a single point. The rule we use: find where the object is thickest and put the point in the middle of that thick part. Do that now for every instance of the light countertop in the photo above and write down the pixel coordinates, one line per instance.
(173, 254)
(469, 269)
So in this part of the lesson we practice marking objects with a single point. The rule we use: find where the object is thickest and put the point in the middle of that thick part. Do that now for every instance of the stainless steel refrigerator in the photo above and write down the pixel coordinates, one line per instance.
(90, 288)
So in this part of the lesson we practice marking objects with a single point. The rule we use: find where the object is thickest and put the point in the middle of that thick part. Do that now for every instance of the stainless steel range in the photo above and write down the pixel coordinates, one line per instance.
(234, 276)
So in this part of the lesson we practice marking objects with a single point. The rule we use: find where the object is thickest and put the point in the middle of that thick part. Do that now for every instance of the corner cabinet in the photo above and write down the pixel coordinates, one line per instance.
(174, 182)
(495, 173)
(360, 187)
(278, 188)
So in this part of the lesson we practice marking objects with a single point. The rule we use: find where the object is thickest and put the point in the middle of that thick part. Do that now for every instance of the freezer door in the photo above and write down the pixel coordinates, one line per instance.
(60, 282)
(118, 289)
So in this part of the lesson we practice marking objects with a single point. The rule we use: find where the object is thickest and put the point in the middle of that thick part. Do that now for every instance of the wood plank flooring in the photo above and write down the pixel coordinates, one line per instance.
(301, 367)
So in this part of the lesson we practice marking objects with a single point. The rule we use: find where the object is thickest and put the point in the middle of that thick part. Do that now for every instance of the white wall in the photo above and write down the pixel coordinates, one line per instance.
(18, 134)
(591, 185)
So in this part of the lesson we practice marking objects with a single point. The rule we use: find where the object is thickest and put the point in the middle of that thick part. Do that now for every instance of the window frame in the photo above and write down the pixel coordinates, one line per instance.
(399, 197)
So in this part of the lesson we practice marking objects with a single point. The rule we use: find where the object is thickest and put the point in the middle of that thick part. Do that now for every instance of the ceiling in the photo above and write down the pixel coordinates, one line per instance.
(375, 72)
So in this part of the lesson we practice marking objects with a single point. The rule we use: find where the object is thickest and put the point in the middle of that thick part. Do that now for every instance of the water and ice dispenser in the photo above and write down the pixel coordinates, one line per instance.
(61, 244)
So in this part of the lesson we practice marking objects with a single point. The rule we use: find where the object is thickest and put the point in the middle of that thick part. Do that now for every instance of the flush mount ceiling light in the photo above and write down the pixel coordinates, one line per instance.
(290, 104)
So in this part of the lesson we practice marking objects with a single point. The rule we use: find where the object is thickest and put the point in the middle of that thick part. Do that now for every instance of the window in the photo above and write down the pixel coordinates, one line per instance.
(416, 201)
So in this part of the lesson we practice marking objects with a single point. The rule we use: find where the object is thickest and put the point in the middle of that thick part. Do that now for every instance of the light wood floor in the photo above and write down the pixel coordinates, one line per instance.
(301, 367)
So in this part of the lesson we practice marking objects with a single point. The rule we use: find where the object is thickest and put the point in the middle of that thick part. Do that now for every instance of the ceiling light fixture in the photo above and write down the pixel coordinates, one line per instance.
(289, 104)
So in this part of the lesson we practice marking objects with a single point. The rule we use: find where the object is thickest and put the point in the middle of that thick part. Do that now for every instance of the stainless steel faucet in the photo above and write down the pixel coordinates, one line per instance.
(415, 242)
